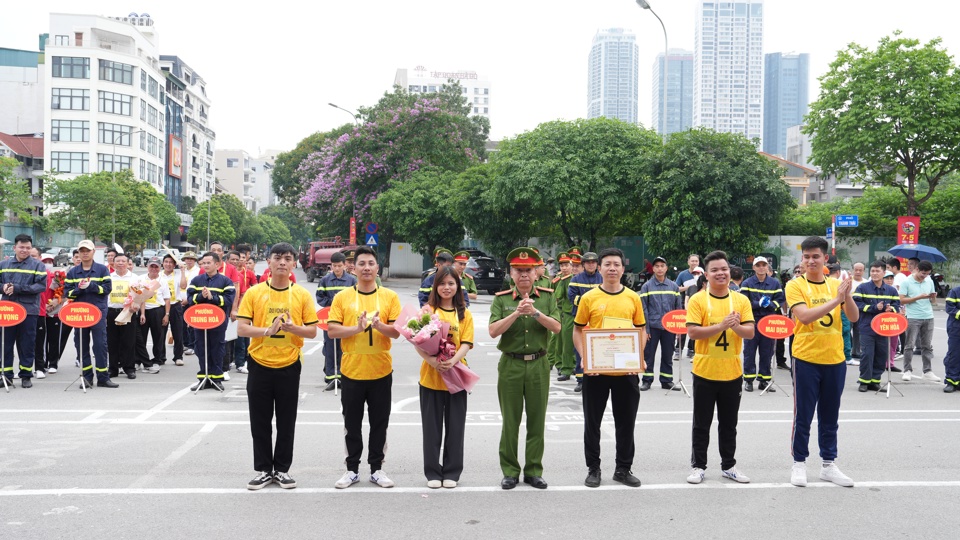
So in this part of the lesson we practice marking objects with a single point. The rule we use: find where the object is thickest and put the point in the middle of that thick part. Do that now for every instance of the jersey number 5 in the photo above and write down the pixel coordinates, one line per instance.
(829, 319)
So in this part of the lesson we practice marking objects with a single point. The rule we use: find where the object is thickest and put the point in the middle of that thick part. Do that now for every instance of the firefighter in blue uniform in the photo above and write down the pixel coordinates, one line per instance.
(334, 281)
(211, 287)
(580, 285)
(766, 298)
(951, 362)
(90, 282)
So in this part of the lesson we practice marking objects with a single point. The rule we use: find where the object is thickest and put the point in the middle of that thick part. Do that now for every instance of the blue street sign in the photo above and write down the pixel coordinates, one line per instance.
(829, 233)
(373, 239)
(372, 228)
(848, 221)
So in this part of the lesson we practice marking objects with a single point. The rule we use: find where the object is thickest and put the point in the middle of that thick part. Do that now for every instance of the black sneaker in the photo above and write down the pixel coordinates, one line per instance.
(670, 386)
(107, 383)
(216, 385)
(626, 477)
(262, 480)
(332, 385)
(131, 374)
(748, 386)
(563, 378)
(26, 383)
(200, 385)
(644, 386)
(949, 389)
(284, 480)
(862, 388)
(783, 365)
(895, 369)
(579, 387)
(874, 386)
(763, 386)
(593, 478)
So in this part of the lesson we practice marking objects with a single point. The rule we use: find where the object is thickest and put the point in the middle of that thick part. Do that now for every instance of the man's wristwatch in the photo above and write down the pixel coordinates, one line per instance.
(536, 315)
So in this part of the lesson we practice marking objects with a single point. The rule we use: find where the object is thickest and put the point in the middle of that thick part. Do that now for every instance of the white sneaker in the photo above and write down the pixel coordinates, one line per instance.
(931, 376)
(853, 362)
(348, 479)
(798, 474)
(696, 476)
(676, 355)
(907, 376)
(76, 363)
(188, 351)
(243, 369)
(52, 370)
(40, 374)
(153, 369)
(434, 484)
(733, 474)
(380, 478)
(831, 473)
(898, 358)
(449, 484)
(226, 376)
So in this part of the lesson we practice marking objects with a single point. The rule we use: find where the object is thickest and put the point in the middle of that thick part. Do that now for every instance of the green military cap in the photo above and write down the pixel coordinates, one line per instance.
(350, 255)
(439, 250)
(461, 256)
(523, 256)
(563, 257)
(575, 250)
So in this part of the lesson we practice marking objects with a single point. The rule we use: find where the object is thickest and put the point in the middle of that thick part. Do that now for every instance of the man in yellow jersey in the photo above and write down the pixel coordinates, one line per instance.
(277, 316)
(819, 370)
(362, 318)
(610, 305)
(718, 320)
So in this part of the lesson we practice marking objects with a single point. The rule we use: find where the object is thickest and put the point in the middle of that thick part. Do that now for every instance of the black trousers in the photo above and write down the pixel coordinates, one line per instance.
(41, 346)
(725, 397)
(153, 325)
(624, 394)
(376, 395)
(121, 342)
(176, 328)
(58, 336)
(439, 409)
(272, 391)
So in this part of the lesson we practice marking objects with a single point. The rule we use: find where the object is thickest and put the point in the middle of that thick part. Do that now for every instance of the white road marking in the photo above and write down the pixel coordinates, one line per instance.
(314, 349)
(162, 405)
(174, 456)
(398, 406)
(710, 485)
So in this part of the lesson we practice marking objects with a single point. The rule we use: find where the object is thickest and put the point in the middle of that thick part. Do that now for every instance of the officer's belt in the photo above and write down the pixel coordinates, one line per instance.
(527, 357)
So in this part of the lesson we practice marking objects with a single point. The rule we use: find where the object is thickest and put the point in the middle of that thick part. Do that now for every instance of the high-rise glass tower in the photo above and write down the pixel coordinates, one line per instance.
(612, 75)
(785, 98)
(728, 67)
(677, 113)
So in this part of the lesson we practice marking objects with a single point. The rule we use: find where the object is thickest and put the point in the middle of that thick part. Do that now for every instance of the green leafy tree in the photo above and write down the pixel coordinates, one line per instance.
(165, 216)
(418, 209)
(889, 115)
(102, 205)
(274, 230)
(585, 176)
(250, 231)
(220, 227)
(187, 204)
(286, 180)
(14, 192)
(299, 231)
(712, 191)
(498, 225)
(234, 208)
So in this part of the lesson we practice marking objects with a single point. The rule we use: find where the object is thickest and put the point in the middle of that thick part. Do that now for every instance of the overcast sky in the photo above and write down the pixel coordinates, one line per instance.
(272, 67)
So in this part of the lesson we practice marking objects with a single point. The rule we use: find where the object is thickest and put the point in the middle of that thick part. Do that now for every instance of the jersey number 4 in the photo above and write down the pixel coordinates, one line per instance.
(722, 341)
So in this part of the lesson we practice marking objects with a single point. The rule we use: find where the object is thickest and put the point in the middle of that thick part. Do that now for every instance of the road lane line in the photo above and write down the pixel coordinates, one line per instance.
(173, 457)
(162, 405)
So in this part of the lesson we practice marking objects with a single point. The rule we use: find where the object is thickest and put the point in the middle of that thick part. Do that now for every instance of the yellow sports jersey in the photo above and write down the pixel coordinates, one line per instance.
(600, 309)
(121, 288)
(718, 357)
(461, 332)
(172, 283)
(262, 305)
(822, 341)
(366, 355)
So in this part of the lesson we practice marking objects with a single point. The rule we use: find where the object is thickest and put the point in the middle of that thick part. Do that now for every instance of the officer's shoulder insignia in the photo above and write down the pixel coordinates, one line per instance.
(501, 293)
(544, 289)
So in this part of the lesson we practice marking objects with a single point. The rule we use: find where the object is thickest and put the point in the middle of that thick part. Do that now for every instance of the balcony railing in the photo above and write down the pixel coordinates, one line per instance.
(196, 146)
(195, 166)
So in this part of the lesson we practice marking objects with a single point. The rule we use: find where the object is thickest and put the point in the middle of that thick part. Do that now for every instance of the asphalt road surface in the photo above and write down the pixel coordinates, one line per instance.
(153, 460)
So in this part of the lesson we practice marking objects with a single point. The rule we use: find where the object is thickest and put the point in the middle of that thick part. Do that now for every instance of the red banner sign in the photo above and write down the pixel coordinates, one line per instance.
(80, 315)
(889, 324)
(323, 315)
(11, 313)
(204, 316)
(353, 231)
(776, 326)
(675, 321)
(908, 230)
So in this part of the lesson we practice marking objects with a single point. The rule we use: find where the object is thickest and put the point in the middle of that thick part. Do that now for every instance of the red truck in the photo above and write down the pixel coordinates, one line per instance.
(315, 256)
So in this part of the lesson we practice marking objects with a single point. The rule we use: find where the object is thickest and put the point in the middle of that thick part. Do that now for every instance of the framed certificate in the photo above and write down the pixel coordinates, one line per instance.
(612, 350)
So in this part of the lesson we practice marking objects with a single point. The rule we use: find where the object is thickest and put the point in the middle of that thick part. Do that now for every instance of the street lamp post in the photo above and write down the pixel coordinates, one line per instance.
(666, 62)
(113, 175)
(355, 116)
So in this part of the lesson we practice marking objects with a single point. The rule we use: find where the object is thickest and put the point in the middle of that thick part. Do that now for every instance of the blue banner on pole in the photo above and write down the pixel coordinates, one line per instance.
(848, 221)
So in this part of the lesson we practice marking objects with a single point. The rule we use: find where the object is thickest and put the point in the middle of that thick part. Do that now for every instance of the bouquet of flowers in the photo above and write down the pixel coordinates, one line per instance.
(59, 278)
(427, 332)
(135, 298)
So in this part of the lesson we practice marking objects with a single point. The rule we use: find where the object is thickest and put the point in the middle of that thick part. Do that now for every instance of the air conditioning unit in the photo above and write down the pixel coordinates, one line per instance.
(55, 105)
(54, 137)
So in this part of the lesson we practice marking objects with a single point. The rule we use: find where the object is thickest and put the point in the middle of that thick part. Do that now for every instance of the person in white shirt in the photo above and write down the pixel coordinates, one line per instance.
(154, 320)
(191, 270)
(176, 281)
(121, 339)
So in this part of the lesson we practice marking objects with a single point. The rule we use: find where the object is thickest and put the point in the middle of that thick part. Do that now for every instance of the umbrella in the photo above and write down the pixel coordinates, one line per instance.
(920, 251)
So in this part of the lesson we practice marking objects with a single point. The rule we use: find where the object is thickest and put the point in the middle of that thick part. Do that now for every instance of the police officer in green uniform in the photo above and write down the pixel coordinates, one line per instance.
(460, 260)
(523, 317)
(553, 349)
(567, 360)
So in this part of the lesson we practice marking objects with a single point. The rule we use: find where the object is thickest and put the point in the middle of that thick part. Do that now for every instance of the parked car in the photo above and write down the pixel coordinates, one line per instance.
(143, 257)
(474, 252)
(163, 253)
(61, 256)
(487, 274)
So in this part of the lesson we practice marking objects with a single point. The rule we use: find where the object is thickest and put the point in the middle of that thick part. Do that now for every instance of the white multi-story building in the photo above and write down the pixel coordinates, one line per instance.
(262, 171)
(188, 113)
(676, 114)
(421, 80)
(105, 97)
(235, 174)
(613, 70)
(21, 90)
(728, 67)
